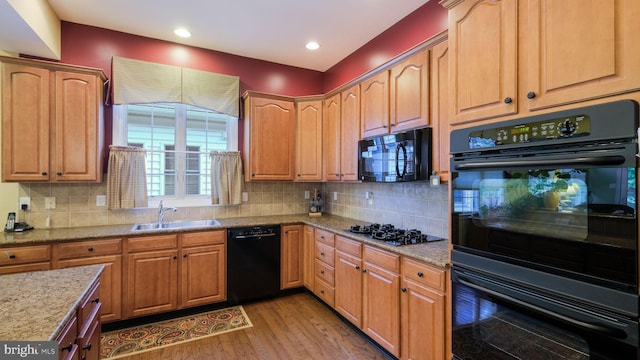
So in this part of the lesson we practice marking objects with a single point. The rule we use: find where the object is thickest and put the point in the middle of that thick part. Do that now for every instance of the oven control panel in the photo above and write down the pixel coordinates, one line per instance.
(553, 129)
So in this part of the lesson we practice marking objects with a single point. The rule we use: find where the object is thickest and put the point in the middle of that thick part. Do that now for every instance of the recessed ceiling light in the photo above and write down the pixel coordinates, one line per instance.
(182, 32)
(312, 45)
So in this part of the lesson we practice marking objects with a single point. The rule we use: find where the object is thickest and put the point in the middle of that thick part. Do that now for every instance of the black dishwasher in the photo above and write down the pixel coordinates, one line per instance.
(253, 263)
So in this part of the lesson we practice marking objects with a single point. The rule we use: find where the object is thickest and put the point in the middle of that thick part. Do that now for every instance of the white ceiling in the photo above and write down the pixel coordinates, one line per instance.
(271, 30)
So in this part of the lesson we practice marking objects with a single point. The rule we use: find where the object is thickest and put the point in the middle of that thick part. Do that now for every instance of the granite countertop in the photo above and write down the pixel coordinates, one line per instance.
(436, 253)
(36, 305)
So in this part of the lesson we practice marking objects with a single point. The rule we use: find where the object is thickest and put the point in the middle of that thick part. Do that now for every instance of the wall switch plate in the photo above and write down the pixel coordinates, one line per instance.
(101, 200)
(49, 203)
(25, 202)
(245, 196)
(306, 195)
(335, 196)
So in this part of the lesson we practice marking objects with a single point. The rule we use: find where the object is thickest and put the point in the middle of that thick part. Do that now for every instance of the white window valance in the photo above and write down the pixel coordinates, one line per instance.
(143, 82)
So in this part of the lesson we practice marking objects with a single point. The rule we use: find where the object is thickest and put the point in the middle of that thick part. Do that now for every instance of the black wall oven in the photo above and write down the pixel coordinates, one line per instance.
(545, 236)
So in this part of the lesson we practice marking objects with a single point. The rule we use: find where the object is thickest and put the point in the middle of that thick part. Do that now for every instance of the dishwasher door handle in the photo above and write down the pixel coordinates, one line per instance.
(253, 236)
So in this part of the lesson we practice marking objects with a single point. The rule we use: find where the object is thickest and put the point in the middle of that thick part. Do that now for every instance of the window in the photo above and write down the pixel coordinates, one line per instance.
(178, 139)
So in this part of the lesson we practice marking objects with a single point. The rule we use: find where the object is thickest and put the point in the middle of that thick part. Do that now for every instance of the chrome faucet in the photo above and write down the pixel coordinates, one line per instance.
(162, 210)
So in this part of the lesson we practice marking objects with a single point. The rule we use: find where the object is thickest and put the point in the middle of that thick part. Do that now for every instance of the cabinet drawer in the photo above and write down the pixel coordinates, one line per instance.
(15, 269)
(324, 272)
(203, 238)
(348, 246)
(67, 347)
(147, 243)
(325, 253)
(88, 248)
(25, 254)
(384, 259)
(424, 274)
(325, 292)
(89, 308)
(325, 237)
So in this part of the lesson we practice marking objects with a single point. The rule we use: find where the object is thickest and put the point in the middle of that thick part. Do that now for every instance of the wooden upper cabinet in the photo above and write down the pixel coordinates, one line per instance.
(25, 122)
(349, 133)
(483, 43)
(309, 140)
(269, 151)
(440, 109)
(52, 120)
(409, 93)
(331, 138)
(578, 51)
(374, 105)
(78, 138)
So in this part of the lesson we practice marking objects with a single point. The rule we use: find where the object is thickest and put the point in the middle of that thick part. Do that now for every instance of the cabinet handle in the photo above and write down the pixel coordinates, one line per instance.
(322, 272)
(384, 126)
(253, 174)
(44, 173)
(508, 100)
(321, 254)
(420, 274)
(90, 249)
(357, 267)
(321, 236)
(403, 289)
(364, 270)
(184, 256)
(67, 348)
(321, 291)
(96, 300)
(337, 175)
(59, 173)
(531, 95)
(87, 347)
(174, 257)
(12, 256)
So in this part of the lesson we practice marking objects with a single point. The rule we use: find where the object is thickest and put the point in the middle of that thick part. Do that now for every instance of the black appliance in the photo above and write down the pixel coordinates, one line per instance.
(253, 263)
(397, 157)
(392, 235)
(545, 236)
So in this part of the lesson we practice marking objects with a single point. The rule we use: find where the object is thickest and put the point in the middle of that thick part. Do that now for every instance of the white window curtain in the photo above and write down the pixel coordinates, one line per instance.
(143, 82)
(226, 178)
(126, 178)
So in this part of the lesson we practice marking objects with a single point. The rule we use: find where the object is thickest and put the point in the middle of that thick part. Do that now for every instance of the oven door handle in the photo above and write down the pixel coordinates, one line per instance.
(600, 329)
(534, 163)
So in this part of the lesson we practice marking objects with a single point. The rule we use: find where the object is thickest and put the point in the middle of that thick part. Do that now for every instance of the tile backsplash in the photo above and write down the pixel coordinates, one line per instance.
(410, 205)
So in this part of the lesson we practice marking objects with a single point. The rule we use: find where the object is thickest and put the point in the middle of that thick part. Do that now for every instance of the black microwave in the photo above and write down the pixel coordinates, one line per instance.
(397, 157)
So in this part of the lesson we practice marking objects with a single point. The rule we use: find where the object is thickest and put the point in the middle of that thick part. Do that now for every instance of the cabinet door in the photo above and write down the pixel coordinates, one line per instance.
(440, 109)
(349, 133)
(483, 44)
(203, 274)
(381, 299)
(579, 51)
(110, 283)
(331, 138)
(409, 93)
(291, 252)
(271, 139)
(309, 141)
(77, 138)
(348, 289)
(25, 123)
(152, 279)
(309, 250)
(423, 322)
(374, 105)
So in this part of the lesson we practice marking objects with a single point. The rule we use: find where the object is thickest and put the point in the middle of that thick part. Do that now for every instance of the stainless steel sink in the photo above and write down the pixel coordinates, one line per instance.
(175, 225)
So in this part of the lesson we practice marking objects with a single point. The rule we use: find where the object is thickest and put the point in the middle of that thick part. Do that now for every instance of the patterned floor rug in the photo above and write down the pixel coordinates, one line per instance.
(124, 342)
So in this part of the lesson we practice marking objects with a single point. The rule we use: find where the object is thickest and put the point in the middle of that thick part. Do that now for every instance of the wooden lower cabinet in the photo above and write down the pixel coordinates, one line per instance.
(92, 252)
(291, 257)
(348, 275)
(80, 337)
(165, 273)
(423, 311)
(308, 250)
(67, 345)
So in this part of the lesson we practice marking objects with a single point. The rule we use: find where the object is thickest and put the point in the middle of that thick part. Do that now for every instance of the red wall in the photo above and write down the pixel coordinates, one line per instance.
(422, 24)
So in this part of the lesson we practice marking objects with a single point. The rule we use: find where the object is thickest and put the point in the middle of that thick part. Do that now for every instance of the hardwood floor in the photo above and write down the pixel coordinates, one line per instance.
(292, 327)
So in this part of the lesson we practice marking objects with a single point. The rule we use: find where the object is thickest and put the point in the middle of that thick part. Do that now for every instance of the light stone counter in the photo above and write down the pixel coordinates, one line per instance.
(436, 253)
(36, 305)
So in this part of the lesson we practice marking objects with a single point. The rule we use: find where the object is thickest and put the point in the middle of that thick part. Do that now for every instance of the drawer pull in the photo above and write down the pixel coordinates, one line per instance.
(321, 254)
(96, 300)
(90, 249)
(364, 270)
(67, 348)
(321, 291)
(322, 272)
(184, 256)
(420, 274)
(12, 256)
(403, 289)
(87, 347)
(357, 267)
(174, 257)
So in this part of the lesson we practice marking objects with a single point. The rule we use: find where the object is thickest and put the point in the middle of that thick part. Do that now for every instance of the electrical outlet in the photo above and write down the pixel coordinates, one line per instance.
(49, 203)
(101, 200)
(245, 196)
(335, 196)
(25, 203)
(306, 195)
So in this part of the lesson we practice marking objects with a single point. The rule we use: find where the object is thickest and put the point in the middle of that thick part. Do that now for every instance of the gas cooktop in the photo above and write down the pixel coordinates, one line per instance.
(392, 235)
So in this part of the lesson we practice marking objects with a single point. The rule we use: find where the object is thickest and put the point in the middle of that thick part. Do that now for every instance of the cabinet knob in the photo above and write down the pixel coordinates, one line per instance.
(321, 291)
(96, 300)
(67, 348)
(90, 249)
(44, 173)
(253, 174)
(384, 126)
(337, 175)
(321, 254)
(87, 347)
(59, 173)
(298, 175)
(357, 267)
(420, 274)
(184, 256)
(531, 95)
(322, 272)
(364, 270)
(174, 257)
(403, 289)
(12, 256)
(508, 100)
